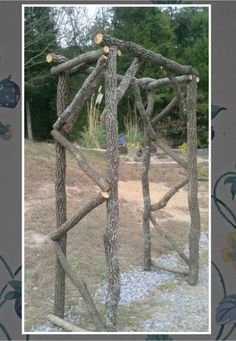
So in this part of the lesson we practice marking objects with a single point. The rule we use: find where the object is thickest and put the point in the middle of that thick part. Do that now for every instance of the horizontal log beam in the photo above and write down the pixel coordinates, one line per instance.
(67, 326)
(179, 159)
(152, 84)
(80, 214)
(82, 162)
(144, 55)
(169, 239)
(163, 202)
(71, 113)
(170, 269)
(88, 57)
(82, 287)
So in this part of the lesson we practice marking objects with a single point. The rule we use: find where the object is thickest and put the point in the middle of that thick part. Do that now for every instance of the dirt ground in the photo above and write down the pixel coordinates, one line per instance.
(85, 241)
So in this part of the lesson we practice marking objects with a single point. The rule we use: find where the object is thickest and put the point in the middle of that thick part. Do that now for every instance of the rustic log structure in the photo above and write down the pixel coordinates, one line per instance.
(106, 60)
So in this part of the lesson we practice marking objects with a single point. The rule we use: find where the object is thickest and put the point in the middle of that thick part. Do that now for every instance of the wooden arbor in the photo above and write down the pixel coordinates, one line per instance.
(67, 116)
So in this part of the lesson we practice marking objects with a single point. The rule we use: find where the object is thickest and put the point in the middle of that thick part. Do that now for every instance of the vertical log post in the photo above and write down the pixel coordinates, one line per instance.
(146, 201)
(110, 237)
(148, 132)
(194, 234)
(60, 194)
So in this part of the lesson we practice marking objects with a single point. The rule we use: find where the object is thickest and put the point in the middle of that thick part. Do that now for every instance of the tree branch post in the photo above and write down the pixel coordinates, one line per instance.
(110, 237)
(194, 234)
(60, 194)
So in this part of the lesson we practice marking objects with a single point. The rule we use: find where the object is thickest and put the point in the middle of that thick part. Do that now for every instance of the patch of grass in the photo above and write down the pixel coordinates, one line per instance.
(202, 173)
(133, 134)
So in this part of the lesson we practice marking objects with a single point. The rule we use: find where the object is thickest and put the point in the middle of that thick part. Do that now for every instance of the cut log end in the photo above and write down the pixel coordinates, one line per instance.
(197, 79)
(49, 58)
(106, 49)
(98, 38)
(119, 53)
(105, 194)
(190, 77)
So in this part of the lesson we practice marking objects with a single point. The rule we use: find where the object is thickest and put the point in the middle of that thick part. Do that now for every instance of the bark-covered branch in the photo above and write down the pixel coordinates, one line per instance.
(125, 82)
(194, 235)
(179, 159)
(155, 83)
(169, 238)
(82, 287)
(163, 202)
(110, 237)
(145, 118)
(52, 57)
(170, 269)
(71, 113)
(80, 214)
(60, 197)
(83, 164)
(143, 54)
(88, 57)
(164, 111)
(67, 326)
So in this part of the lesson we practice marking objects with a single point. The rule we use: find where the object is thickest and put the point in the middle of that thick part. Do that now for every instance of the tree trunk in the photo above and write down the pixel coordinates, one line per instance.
(194, 235)
(110, 237)
(28, 121)
(60, 193)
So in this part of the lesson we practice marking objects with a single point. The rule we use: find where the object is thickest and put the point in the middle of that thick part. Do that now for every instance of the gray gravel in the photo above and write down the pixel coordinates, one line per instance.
(178, 307)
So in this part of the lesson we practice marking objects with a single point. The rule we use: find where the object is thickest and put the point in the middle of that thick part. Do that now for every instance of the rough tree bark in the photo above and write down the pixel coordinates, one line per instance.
(71, 113)
(88, 57)
(82, 162)
(110, 237)
(125, 82)
(194, 235)
(80, 214)
(82, 287)
(143, 54)
(145, 115)
(60, 194)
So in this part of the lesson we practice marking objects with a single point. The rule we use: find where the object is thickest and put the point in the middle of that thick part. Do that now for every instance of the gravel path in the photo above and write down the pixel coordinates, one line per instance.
(175, 307)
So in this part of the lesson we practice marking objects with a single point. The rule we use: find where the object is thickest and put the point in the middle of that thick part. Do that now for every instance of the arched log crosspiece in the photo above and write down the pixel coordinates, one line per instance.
(82, 287)
(110, 237)
(144, 55)
(194, 234)
(60, 196)
(82, 162)
(71, 113)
